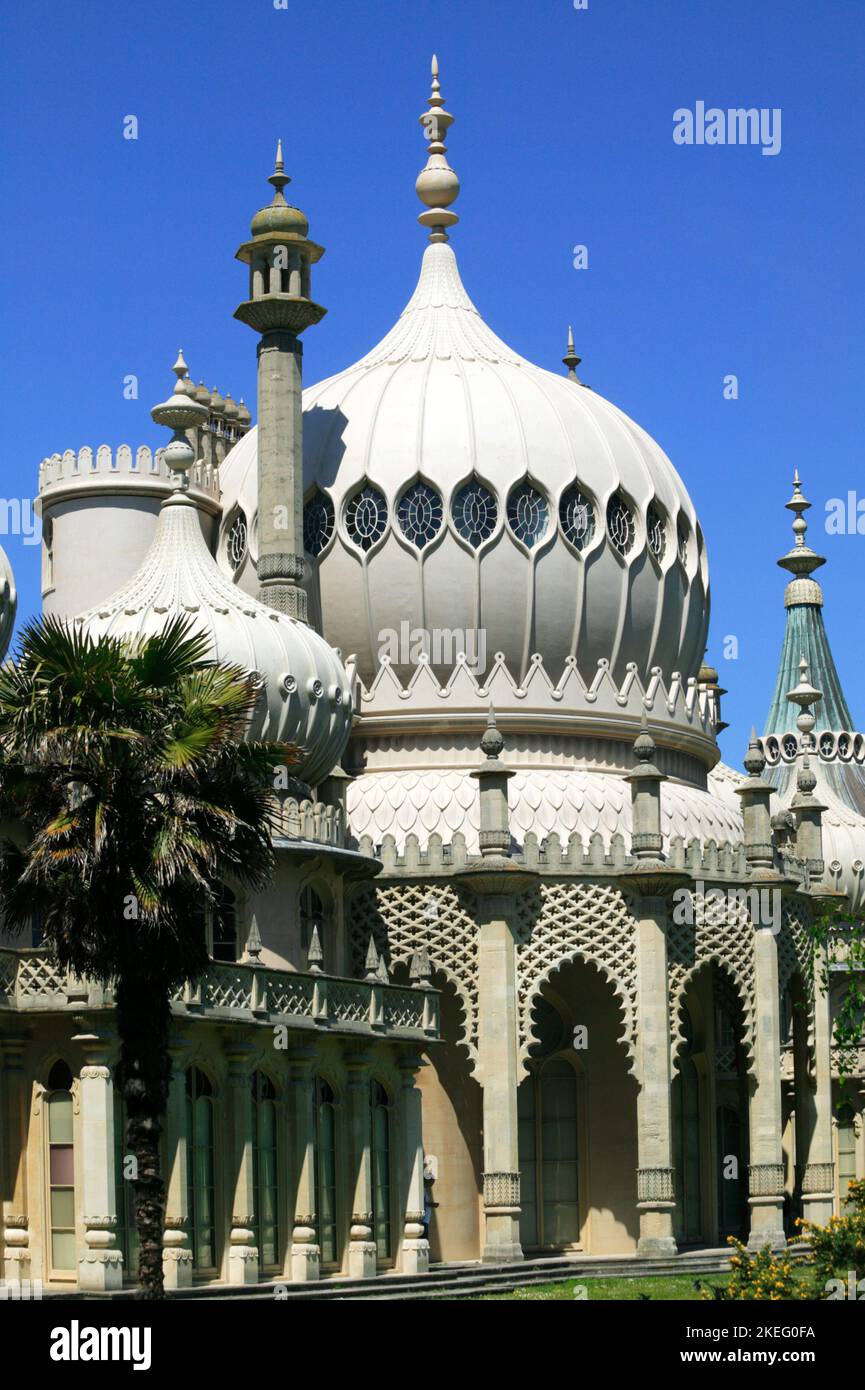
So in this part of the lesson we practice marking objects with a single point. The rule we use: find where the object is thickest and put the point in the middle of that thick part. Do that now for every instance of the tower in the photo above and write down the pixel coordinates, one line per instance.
(280, 256)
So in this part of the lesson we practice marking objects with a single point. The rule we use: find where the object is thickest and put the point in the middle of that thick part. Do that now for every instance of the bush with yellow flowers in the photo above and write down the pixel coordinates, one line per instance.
(835, 1251)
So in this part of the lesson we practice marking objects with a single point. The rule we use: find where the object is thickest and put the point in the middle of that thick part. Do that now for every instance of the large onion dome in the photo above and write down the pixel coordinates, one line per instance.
(451, 484)
(305, 696)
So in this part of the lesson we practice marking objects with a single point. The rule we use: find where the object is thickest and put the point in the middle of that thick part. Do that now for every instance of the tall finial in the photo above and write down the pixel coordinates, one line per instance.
(437, 185)
(180, 413)
(279, 178)
(571, 360)
(801, 561)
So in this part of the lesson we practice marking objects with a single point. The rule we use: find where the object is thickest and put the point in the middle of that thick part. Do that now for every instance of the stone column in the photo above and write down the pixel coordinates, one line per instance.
(415, 1246)
(495, 883)
(242, 1249)
(14, 1098)
(280, 460)
(766, 1171)
(361, 1248)
(818, 1174)
(177, 1252)
(100, 1265)
(655, 1180)
(305, 1253)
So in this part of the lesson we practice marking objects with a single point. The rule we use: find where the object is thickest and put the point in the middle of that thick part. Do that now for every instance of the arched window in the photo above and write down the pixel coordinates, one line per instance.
(686, 1123)
(366, 517)
(313, 917)
(620, 524)
(235, 545)
(682, 543)
(656, 532)
(318, 523)
(577, 518)
(200, 1169)
(420, 514)
(548, 1138)
(475, 513)
(223, 926)
(61, 1171)
(381, 1170)
(528, 514)
(265, 1179)
(326, 1173)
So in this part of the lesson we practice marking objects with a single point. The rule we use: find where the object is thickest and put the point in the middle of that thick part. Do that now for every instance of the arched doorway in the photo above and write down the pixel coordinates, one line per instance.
(549, 1156)
(688, 1139)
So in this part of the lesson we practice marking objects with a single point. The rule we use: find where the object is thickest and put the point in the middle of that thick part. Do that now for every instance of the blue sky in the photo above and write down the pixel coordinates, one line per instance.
(703, 261)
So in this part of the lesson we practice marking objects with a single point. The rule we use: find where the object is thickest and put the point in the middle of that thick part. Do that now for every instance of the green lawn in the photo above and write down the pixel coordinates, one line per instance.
(663, 1288)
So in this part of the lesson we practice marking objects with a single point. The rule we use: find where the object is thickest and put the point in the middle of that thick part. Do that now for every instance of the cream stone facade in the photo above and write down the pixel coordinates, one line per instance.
(532, 973)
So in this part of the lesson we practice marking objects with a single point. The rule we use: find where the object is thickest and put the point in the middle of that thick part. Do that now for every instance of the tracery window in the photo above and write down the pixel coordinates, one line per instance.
(235, 546)
(577, 517)
(318, 523)
(790, 745)
(312, 915)
(420, 514)
(475, 513)
(656, 532)
(528, 514)
(366, 517)
(620, 524)
(682, 543)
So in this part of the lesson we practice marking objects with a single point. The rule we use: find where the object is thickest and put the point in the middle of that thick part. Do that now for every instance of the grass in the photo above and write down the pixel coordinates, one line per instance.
(659, 1288)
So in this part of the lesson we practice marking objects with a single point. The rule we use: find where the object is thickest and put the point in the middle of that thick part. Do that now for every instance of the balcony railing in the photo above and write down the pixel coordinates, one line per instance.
(31, 981)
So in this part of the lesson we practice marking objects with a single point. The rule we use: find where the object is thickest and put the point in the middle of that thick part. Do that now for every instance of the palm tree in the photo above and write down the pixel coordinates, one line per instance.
(124, 765)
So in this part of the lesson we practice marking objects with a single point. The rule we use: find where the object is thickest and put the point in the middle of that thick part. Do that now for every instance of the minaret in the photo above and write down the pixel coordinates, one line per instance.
(805, 632)
(280, 256)
(437, 185)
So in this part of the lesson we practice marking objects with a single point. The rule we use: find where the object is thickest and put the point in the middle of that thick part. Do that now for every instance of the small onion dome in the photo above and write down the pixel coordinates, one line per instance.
(229, 409)
(280, 216)
(217, 404)
(186, 387)
(243, 415)
(707, 675)
(202, 395)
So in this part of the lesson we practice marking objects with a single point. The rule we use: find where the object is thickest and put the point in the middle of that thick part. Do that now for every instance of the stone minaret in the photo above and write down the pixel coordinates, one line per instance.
(280, 256)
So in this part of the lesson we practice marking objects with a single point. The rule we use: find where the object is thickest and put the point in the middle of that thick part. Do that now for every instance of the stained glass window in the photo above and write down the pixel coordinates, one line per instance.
(420, 514)
(475, 513)
(366, 517)
(318, 523)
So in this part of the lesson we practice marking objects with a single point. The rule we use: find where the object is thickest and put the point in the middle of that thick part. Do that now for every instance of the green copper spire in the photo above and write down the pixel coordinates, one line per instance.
(805, 634)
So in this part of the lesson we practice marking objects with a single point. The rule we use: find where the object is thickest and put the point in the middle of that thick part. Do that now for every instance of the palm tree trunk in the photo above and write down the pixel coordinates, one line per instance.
(143, 1020)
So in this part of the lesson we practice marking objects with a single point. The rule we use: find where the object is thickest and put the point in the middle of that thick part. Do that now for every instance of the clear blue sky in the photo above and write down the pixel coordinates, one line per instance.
(703, 261)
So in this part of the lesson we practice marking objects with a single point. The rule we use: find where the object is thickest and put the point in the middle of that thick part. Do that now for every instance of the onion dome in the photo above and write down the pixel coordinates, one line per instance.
(304, 695)
(243, 415)
(451, 485)
(229, 409)
(217, 404)
(8, 602)
(202, 395)
(279, 216)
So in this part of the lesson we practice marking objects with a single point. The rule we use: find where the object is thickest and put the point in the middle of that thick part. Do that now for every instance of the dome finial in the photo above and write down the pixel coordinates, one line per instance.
(801, 561)
(279, 178)
(571, 360)
(437, 185)
(180, 413)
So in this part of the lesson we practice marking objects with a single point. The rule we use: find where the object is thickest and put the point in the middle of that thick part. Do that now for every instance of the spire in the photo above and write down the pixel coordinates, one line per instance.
(279, 178)
(180, 413)
(805, 632)
(437, 185)
(571, 360)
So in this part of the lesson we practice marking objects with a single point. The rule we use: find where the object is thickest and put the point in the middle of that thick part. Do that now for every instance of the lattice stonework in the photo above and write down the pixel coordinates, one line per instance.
(794, 950)
(718, 931)
(401, 917)
(577, 921)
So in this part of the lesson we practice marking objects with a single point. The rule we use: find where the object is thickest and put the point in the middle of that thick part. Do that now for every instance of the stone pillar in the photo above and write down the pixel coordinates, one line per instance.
(415, 1246)
(818, 1174)
(305, 1253)
(14, 1099)
(100, 1265)
(242, 1249)
(497, 1049)
(361, 1248)
(655, 1180)
(280, 460)
(177, 1252)
(766, 1171)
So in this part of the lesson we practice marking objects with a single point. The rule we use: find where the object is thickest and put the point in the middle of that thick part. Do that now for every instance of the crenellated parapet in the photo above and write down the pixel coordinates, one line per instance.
(106, 470)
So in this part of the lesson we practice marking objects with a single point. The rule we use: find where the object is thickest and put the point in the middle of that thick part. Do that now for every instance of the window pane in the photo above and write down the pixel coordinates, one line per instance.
(63, 1206)
(60, 1118)
(62, 1165)
(63, 1249)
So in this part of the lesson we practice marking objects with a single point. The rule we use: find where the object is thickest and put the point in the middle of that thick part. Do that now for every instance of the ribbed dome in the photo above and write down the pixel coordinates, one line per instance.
(305, 697)
(283, 218)
(455, 485)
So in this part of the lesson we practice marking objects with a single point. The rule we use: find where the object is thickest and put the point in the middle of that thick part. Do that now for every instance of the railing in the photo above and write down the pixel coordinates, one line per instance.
(31, 981)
